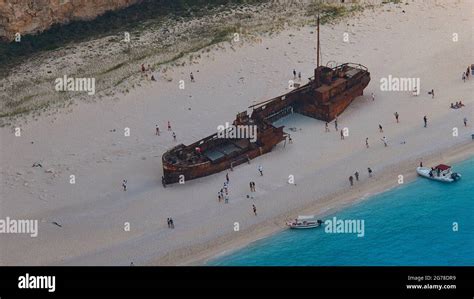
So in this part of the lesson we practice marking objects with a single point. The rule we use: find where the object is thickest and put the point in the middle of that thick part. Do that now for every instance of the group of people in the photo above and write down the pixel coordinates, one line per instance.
(457, 105)
(145, 71)
(466, 74)
(356, 176)
(170, 222)
(157, 131)
(223, 194)
(351, 178)
(294, 75)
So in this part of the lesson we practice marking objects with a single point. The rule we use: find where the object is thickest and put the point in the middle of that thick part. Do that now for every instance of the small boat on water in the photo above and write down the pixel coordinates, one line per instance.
(441, 172)
(305, 222)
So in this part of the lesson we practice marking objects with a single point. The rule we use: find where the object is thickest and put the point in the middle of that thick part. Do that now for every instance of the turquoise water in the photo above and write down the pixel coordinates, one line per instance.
(412, 225)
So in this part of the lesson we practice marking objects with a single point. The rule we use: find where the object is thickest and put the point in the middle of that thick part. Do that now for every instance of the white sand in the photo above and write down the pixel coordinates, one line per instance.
(92, 212)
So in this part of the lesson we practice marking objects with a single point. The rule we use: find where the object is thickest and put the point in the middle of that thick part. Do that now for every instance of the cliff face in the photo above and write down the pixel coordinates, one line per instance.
(32, 16)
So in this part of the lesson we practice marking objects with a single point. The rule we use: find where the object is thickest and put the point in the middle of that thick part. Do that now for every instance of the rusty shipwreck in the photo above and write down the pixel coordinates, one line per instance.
(324, 97)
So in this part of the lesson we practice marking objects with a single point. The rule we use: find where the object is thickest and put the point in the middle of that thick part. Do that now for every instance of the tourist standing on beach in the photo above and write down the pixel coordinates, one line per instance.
(163, 181)
(260, 169)
(335, 123)
(157, 130)
(174, 136)
(351, 180)
(294, 74)
(369, 170)
(373, 97)
(342, 135)
(171, 223)
(191, 76)
(465, 121)
(327, 127)
(432, 93)
(425, 120)
(380, 128)
(299, 76)
(356, 174)
(367, 142)
(396, 116)
(227, 177)
(254, 209)
(168, 220)
(384, 140)
(464, 76)
(169, 126)
(226, 198)
(124, 185)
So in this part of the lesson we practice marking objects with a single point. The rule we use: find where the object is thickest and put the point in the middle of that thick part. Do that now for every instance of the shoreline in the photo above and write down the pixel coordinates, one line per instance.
(201, 254)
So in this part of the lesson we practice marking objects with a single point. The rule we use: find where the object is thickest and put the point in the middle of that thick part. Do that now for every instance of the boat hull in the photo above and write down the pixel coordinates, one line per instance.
(448, 178)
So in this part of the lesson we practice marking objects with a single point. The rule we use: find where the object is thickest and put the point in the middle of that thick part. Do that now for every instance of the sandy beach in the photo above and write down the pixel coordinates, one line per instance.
(87, 140)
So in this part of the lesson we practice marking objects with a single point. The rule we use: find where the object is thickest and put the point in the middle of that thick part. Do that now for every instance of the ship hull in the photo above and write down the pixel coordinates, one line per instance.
(176, 174)
(325, 97)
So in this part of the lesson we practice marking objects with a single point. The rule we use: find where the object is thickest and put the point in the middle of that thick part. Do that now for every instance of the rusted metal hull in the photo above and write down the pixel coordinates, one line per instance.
(324, 98)
(176, 174)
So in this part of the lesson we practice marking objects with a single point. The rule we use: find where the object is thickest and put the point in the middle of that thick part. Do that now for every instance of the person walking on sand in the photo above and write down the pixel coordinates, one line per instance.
(380, 128)
(124, 185)
(327, 127)
(432, 93)
(384, 140)
(227, 177)
(351, 180)
(425, 120)
(369, 170)
(373, 97)
(260, 169)
(396, 116)
(169, 126)
(171, 223)
(294, 74)
(299, 76)
(254, 208)
(421, 163)
(342, 135)
(191, 76)
(464, 77)
(465, 121)
(356, 174)
(163, 181)
(174, 136)
(157, 130)
(367, 142)
(335, 123)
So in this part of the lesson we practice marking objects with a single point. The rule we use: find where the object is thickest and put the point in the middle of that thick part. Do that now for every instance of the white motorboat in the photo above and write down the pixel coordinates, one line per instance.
(442, 173)
(305, 222)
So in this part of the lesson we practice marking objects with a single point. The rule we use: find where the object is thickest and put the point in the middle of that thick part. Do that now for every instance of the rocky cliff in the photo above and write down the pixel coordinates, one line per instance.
(32, 16)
